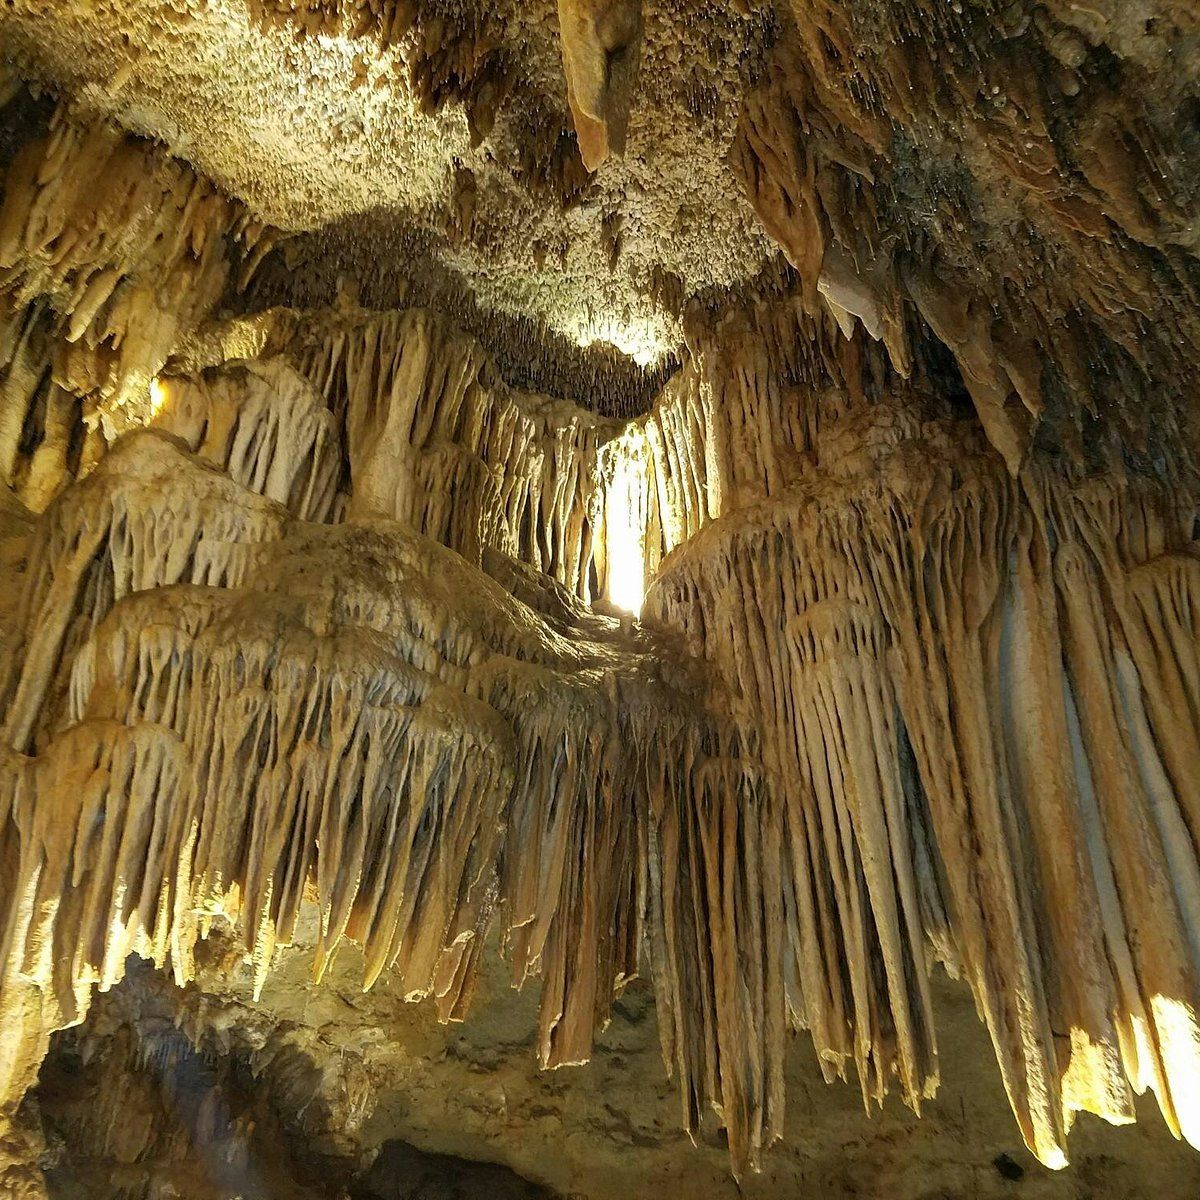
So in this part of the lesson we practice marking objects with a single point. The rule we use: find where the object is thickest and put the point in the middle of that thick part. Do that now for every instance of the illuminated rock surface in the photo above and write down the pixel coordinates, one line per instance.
(689, 511)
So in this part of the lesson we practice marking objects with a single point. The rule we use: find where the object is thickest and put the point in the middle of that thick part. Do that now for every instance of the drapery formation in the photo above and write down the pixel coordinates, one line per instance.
(965, 724)
(204, 719)
(932, 712)
(111, 251)
(433, 437)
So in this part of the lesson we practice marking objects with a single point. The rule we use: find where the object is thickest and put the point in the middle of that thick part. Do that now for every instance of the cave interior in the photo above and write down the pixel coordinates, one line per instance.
(599, 599)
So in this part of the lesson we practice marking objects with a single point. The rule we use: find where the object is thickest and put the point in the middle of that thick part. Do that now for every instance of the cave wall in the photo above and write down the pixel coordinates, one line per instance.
(312, 610)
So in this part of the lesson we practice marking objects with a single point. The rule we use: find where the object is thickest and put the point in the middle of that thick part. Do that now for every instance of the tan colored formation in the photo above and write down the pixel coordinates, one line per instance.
(1015, 173)
(945, 722)
(110, 252)
(965, 761)
(601, 45)
(415, 766)
(309, 606)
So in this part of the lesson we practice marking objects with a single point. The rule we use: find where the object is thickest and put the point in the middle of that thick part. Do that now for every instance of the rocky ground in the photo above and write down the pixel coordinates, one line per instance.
(324, 1091)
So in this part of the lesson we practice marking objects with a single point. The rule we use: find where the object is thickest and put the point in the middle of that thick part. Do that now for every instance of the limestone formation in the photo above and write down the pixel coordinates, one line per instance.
(601, 47)
(793, 605)
(110, 252)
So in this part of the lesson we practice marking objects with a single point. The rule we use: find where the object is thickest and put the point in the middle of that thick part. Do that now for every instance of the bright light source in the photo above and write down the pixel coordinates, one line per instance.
(1175, 1025)
(158, 396)
(625, 521)
(643, 341)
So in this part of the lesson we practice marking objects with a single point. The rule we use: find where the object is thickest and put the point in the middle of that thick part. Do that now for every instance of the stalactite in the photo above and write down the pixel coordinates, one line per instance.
(264, 425)
(601, 48)
(434, 438)
(717, 947)
(398, 734)
(894, 599)
(110, 252)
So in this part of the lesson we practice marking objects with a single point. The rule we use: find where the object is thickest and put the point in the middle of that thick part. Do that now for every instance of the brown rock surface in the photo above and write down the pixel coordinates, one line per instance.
(334, 1073)
(694, 506)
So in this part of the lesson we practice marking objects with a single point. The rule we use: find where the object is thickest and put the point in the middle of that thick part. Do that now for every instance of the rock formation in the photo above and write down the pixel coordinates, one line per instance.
(793, 604)
(601, 47)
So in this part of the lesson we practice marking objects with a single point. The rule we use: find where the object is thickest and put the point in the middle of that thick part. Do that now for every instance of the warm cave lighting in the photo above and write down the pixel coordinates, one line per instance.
(1175, 1023)
(641, 340)
(625, 523)
(158, 396)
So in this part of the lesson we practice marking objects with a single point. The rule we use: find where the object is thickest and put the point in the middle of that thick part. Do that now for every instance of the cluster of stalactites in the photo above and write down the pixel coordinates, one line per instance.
(956, 723)
(395, 414)
(213, 709)
(738, 424)
(982, 166)
(461, 60)
(956, 698)
(431, 436)
(110, 252)
(976, 705)
(265, 426)
(435, 439)
(402, 415)
(466, 59)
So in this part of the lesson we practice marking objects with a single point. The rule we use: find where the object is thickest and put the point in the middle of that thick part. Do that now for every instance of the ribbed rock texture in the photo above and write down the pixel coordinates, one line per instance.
(861, 649)
(110, 252)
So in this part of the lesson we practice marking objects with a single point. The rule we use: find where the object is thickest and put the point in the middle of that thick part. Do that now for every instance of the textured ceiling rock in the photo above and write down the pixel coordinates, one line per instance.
(286, 108)
(1024, 175)
(1020, 175)
(326, 529)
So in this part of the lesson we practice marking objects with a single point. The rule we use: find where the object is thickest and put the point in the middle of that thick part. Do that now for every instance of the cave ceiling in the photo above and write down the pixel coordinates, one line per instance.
(688, 507)
(443, 127)
(1017, 181)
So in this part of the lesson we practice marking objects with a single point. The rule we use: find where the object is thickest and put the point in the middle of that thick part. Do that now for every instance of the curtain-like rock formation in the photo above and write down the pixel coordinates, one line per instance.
(431, 436)
(110, 252)
(898, 637)
(307, 611)
(945, 723)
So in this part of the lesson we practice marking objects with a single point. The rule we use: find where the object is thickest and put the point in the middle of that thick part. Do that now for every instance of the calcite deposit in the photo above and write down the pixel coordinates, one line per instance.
(688, 510)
